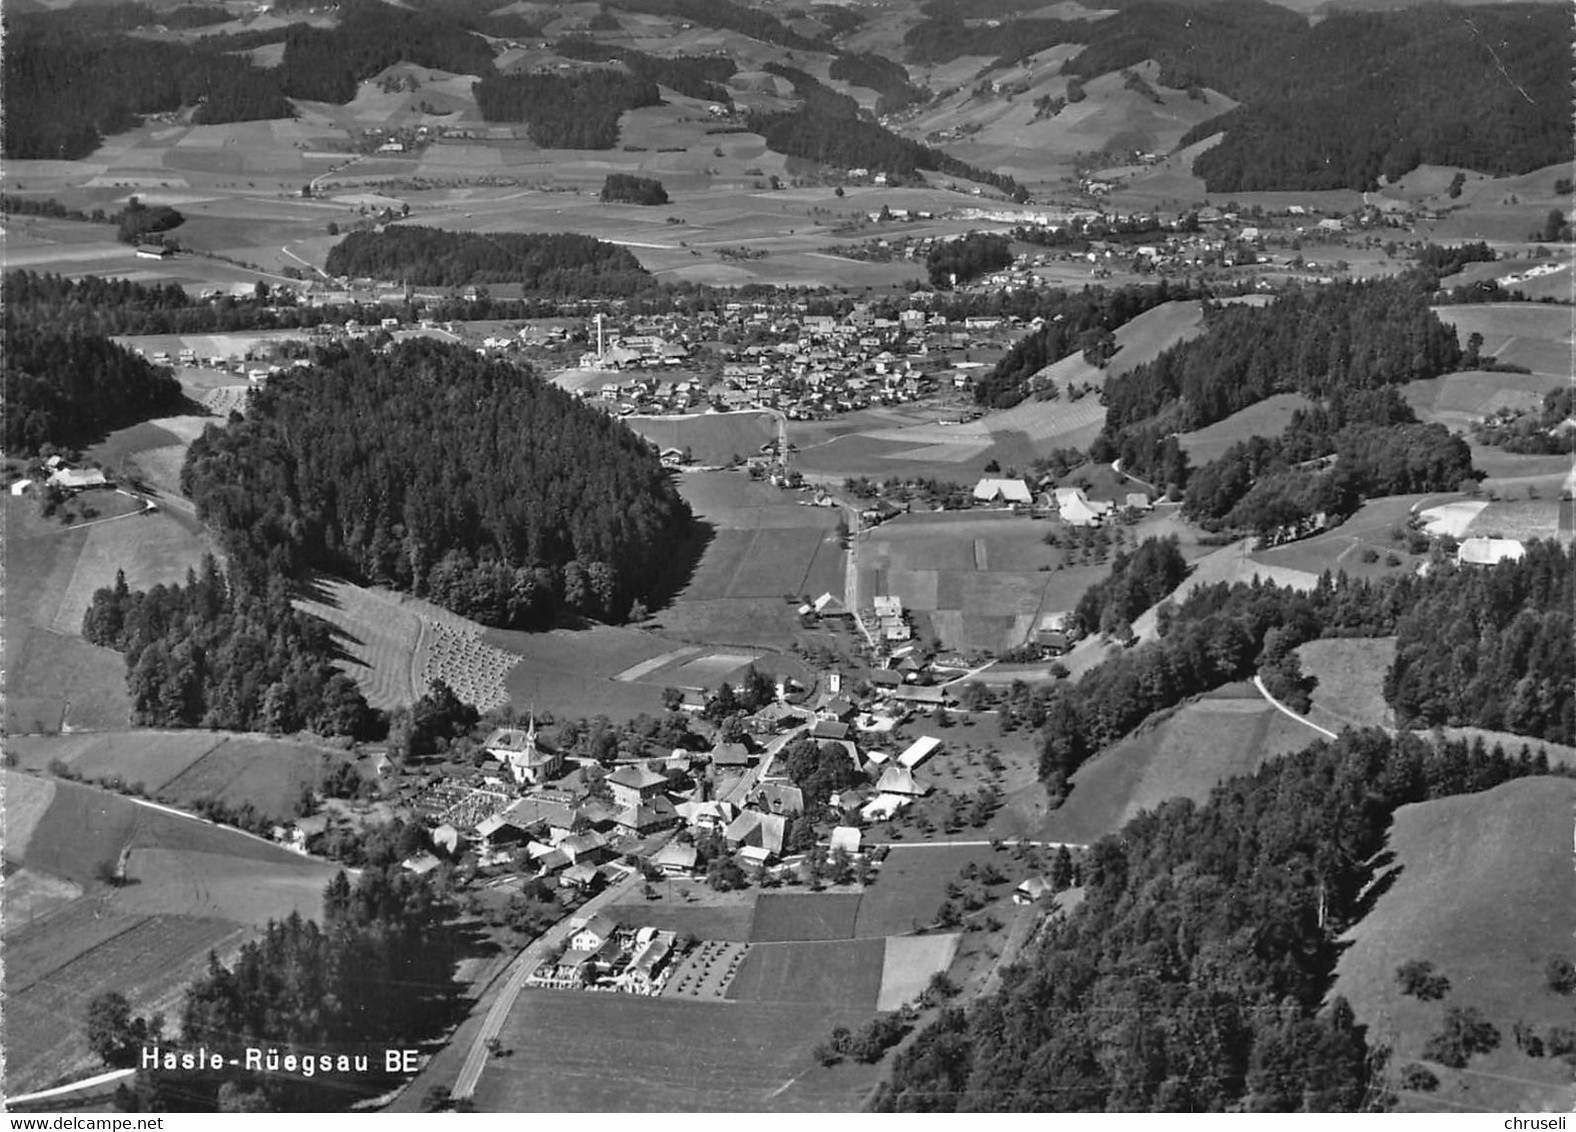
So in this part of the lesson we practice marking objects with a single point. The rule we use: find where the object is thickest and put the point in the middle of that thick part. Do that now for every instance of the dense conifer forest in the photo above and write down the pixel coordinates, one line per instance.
(1312, 340)
(1193, 975)
(579, 110)
(960, 261)
(1379, 448)
(217, 654)
(1491, 647)
(887, 78)
(698, 76)
(626, 188)
(68, 388)
(552, 264)
(467, 481)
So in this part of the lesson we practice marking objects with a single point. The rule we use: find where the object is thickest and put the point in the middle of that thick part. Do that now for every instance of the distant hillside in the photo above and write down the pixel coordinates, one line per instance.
(1329, 105)
(76, 76)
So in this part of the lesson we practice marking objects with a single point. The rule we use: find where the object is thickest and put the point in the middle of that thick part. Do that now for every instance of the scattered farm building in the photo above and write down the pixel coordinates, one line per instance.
(1077, 509)
(919, 750)
(1032, 890)
(1002, 491)
(78, 479)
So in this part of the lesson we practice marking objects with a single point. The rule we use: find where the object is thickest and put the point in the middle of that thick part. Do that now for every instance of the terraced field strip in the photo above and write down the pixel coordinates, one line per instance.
(382, 638)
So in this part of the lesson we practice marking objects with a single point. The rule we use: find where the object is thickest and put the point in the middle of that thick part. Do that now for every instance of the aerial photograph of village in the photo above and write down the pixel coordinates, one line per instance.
(734, 556)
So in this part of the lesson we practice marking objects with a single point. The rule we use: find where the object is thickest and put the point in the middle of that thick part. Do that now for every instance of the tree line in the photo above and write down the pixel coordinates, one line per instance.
(697, 76)
(626, 188)
(960, 261)
(1074, 321)
(1491, 646)
(1310, 340)
(558, 264)
(888, 78)
(579, 110)
(215, 654)
(1379, 448)
(68, 389)
(463, 480)
(1193, 976)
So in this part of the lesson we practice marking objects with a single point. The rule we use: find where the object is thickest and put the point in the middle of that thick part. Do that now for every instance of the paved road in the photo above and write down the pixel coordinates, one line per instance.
(524, 963)
(740, 790)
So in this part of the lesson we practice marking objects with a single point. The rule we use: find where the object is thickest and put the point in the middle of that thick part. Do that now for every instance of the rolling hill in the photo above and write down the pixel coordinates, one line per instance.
(1481, 885)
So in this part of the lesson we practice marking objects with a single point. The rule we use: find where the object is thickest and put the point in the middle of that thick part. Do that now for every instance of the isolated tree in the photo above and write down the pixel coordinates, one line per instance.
(1560, 974)
(1419, 1078)
(1418, 978)
(1466, 1033)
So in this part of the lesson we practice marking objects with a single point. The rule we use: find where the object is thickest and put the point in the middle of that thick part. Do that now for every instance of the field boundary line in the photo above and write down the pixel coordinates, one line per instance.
(1265, 692)
(189, 767)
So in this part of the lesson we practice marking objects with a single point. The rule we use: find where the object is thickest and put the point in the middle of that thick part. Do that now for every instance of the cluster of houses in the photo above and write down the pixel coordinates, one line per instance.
(1069, 504)
(779, 356)
(530, 809)
(602, 954)
(60, 474)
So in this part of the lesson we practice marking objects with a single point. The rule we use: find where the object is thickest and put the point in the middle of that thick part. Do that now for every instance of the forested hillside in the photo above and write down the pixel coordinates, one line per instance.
(1380, 448)
(556, 264)
(1331, 104)
(68, 388)
(1366, 94)
(1192, 976)
(1074, 321)
(1497, 661)
(465, 481)
(1311, 340)
(212, 653)
(698, 76)
(1492, 647)
(74, 77)
(579, 110)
